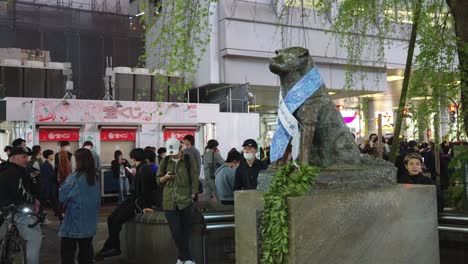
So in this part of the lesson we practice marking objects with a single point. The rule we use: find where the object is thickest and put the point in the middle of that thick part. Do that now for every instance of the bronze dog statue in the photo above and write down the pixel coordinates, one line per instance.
(326, 141)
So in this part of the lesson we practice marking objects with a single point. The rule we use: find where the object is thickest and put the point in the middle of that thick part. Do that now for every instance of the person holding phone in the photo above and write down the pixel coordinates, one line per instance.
(121, 171)
(178, 174)
(138, 201)
(371, 146)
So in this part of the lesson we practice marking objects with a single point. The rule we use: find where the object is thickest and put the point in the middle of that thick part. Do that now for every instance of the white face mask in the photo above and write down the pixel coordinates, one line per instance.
(88, 147)
(249, 156)
(175, 160)
(67, 148)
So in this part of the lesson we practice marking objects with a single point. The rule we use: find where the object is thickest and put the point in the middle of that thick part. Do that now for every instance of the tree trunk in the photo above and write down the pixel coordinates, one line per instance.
(404, 89)
(459, 9)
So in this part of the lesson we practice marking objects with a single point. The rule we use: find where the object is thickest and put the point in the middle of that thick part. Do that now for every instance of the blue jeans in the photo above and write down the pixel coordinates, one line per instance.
(33, 236)
(123, 188)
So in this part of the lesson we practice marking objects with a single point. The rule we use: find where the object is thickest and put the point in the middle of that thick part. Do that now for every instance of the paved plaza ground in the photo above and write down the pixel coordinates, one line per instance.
(50, 251)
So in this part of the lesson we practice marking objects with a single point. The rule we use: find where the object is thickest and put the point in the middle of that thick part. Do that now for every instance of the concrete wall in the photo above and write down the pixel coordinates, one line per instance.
(248, 32)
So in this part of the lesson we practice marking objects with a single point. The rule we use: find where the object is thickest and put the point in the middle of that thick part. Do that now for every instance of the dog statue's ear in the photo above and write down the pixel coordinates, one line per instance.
(306, 53)
(277, 52)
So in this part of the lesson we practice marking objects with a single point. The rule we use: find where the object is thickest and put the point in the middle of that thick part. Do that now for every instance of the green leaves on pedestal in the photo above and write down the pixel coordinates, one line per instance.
(288, 181)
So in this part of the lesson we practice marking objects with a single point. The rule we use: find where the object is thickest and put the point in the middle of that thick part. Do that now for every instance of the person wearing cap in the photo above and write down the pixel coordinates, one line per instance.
(178, 174)
(225, 176)
(212, 160)
(249, 168)
(14, 189)
(414, 175)
(138, 201)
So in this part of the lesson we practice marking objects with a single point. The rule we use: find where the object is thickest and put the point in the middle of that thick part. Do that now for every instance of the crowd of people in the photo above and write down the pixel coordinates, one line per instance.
(165, 179)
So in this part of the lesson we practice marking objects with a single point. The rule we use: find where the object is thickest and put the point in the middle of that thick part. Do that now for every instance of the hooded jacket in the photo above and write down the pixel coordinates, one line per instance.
(224, 180)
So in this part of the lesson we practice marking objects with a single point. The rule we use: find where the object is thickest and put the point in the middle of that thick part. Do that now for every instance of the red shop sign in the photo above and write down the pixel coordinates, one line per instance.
(118, 135)
(177, 133)
(59, 134)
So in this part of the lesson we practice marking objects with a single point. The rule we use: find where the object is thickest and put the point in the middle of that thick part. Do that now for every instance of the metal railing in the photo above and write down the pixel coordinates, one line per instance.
(215, 222)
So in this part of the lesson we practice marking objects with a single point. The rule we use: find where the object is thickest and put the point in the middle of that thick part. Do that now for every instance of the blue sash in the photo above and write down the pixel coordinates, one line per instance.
(288, 126)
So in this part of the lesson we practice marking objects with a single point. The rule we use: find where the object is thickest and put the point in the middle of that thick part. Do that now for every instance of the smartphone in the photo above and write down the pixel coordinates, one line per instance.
(170, 173)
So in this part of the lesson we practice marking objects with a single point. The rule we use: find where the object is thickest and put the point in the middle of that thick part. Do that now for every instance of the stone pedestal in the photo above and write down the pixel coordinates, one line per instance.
(393, 224)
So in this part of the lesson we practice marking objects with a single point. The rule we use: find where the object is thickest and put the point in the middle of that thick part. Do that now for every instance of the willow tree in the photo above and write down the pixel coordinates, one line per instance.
(176, 36)
(442, 33)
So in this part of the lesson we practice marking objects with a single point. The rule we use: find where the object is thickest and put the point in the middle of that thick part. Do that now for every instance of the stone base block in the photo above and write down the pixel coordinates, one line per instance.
(386, 225)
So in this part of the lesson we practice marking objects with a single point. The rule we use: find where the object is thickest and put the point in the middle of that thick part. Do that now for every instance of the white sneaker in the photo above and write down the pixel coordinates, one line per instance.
(189, 262)
(179, 262)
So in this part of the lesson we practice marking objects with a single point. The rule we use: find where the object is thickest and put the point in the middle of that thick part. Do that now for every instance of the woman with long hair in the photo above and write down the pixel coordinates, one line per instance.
(81, 198)
(120, 170)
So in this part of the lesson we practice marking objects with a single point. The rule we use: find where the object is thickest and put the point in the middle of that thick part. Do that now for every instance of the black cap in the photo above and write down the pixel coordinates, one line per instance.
(250, 143)
(18, 151)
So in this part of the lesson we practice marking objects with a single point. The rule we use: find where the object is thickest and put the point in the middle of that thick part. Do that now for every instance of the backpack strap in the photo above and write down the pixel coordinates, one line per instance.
(187, 166)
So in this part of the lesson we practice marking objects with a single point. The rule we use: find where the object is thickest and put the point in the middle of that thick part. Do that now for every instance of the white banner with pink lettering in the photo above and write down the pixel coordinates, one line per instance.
(88, 111)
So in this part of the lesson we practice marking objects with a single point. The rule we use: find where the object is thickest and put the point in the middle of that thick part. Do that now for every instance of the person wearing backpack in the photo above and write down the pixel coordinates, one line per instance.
(212, 160)
(178, 174)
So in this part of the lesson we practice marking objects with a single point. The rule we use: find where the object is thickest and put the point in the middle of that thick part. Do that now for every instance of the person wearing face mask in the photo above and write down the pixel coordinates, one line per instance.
(414, 175)
(247, 172)
(178, 174)
(225, 176)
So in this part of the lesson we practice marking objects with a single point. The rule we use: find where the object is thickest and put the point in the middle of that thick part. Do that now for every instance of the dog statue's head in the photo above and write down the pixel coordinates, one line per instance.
(293, 59)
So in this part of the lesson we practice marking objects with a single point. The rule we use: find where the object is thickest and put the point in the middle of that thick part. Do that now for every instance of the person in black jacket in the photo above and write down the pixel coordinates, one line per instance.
(139, 201)
(120, 172)
(414, 175)
(247, 172)
(15, 189)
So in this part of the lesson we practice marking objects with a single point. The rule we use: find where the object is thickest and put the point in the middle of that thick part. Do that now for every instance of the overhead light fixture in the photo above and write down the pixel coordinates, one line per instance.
(391, 78)
(140, 14)
(254, 106)
(371, 95)
(331, 93)
(419, 98)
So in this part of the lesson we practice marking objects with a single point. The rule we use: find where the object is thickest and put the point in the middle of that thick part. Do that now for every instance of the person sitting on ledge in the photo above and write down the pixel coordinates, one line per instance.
(414, 175)
(139, 201)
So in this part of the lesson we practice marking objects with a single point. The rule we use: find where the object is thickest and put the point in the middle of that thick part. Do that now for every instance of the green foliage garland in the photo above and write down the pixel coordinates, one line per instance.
(288, 181)
(456, 194)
